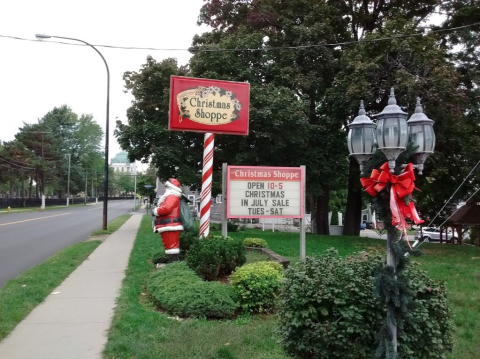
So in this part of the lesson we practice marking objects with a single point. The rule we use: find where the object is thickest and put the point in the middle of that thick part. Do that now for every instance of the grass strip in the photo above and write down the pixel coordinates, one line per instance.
(113, 225)
(19, 296)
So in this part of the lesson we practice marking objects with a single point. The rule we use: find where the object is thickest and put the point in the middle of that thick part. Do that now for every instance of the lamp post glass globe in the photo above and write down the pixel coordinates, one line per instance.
(361, 137)
(421, 134)
(391, 131)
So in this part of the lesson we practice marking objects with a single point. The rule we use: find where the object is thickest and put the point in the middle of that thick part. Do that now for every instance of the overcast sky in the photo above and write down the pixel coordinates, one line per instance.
(40, 75)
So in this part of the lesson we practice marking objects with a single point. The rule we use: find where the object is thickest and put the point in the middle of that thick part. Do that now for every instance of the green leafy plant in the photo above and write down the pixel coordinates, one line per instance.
(178, 290)
(257, 285)
(328, 309)
(255, 242)
(215, 256)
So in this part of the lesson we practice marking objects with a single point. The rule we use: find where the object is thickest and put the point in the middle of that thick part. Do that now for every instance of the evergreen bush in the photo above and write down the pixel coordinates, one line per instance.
(255, 242)
(257, 285)
(178, 290)
(328, 310)
(215, 256)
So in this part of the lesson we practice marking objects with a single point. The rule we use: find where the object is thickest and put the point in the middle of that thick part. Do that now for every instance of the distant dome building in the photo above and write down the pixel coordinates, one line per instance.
(120, 163)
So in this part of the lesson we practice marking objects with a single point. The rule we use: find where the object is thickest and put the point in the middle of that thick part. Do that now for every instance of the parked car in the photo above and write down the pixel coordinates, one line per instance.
(432, 234)
(363, 225)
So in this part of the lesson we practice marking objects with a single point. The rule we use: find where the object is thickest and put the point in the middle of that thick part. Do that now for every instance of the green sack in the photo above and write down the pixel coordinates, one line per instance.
(185, 215)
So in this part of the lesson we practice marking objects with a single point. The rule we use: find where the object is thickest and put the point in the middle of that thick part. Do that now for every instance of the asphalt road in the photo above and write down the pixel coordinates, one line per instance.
(27, 239)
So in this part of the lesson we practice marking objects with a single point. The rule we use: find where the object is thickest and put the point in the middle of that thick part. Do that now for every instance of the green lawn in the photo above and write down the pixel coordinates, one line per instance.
(139, 331)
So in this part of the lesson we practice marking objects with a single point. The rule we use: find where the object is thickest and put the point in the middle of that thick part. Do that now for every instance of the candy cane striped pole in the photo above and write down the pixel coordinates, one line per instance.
(206, 202)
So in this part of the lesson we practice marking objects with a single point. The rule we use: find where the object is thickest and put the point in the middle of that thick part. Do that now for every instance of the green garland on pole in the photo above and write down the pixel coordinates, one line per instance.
(390, 283)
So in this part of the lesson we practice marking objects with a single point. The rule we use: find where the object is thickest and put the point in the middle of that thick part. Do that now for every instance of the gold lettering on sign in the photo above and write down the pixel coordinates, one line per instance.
(208, 105)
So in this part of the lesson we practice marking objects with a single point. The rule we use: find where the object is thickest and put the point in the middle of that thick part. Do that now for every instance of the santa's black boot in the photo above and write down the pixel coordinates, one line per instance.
(173, 257)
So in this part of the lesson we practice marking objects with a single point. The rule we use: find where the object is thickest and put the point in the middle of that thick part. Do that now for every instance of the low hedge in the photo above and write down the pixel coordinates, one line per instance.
(179, 291)
(257, 285)
(255, 242)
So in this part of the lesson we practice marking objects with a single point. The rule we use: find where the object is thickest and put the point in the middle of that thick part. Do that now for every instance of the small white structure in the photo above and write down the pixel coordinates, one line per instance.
(368, 215)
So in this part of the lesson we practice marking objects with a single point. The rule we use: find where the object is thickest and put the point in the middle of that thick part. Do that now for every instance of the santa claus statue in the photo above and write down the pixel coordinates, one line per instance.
(167, 218)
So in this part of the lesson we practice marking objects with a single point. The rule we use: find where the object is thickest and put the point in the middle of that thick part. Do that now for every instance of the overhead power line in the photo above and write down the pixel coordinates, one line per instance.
(201, 49)
(451, 197)
(12, 162)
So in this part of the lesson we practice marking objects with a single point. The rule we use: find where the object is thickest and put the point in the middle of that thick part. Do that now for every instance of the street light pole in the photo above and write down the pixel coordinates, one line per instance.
(105, 177)
(68, 180)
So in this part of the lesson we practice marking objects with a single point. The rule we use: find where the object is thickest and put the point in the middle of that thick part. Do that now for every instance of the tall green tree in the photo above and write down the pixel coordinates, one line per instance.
(49, 143)
(417, 67)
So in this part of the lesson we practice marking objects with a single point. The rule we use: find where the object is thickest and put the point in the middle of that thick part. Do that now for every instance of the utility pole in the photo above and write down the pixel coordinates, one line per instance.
(42, 179)
(68, 180)
(86, 184)
(135, 191)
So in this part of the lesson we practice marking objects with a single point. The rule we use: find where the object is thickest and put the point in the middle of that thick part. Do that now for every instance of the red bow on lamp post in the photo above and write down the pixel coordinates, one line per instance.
(401, 190)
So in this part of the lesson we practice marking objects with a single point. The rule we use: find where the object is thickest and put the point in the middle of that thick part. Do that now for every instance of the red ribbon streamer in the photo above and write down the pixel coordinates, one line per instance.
(401, 186)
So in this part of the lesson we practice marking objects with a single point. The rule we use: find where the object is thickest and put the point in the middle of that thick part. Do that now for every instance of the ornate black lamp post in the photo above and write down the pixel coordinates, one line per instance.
(391, 134)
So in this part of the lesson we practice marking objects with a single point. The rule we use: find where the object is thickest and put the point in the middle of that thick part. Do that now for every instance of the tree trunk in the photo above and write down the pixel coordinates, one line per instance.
(322, 211)
(12, 188)
(312, 205)
(36, 186)
(30, 187)
(22, 190)
(353, 215)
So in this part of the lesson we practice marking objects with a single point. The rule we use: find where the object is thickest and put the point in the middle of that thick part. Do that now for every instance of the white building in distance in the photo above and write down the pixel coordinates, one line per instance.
(120, 163)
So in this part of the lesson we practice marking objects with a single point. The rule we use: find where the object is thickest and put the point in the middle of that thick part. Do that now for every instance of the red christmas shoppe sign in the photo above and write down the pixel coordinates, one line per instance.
(209, 106)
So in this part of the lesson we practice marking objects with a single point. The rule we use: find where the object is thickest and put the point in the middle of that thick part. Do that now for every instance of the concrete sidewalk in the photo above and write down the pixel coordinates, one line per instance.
(74, 319)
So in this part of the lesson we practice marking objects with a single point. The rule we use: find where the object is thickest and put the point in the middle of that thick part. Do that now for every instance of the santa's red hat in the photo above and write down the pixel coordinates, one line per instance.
(173, 183)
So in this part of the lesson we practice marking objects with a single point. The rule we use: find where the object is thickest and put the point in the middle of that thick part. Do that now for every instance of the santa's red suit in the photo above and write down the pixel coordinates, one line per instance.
(167, 221)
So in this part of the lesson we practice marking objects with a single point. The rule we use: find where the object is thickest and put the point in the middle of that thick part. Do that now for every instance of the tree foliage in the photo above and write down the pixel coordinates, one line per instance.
(303, 97)
(40, 153)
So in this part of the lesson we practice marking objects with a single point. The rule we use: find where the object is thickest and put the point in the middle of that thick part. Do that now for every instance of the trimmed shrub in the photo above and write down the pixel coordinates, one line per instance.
(257, 285)
(215, 257)
(328, 309)
(255, 242)
(178, 290)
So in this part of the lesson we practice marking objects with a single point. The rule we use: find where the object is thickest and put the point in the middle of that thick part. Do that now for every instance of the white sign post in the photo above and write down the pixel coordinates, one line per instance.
(267, 192)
